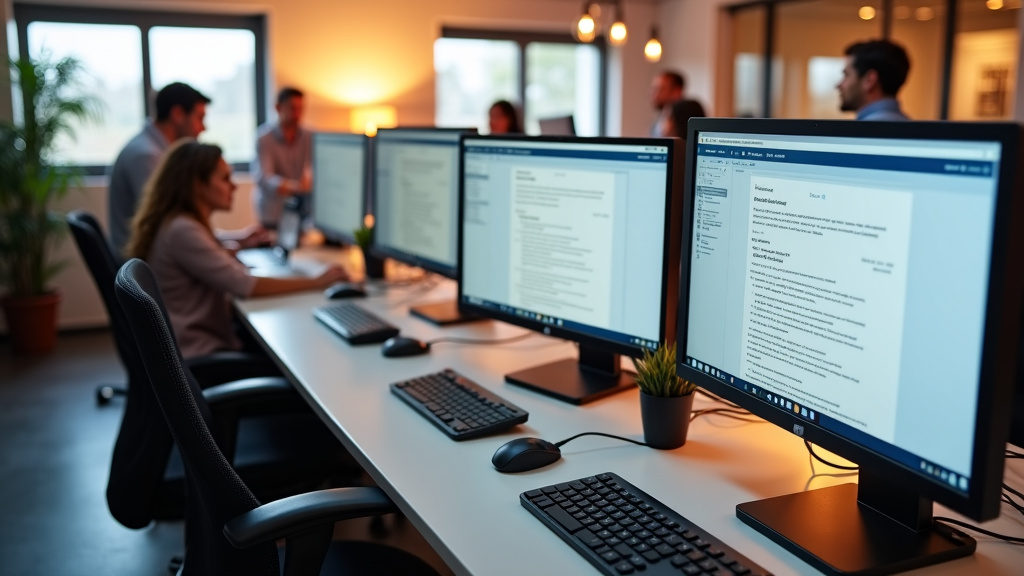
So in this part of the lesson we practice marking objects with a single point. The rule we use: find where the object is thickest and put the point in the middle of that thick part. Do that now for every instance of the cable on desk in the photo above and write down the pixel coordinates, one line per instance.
(973, 528)
(567, 440)
(718, 398)
(1012, 454)
(810, 448)
(736, 414)
(508, 340)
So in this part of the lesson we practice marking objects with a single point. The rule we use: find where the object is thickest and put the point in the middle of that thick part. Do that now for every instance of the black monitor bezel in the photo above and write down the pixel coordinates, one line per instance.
(1001, 326)
(402, 256)
(329, 231)
(672, 222)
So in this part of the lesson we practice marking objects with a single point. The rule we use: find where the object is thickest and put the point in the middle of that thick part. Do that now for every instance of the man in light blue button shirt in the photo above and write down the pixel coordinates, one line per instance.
(283, 165)
(874, 72)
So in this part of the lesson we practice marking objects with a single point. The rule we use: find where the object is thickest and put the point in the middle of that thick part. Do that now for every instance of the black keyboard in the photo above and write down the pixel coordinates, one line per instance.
(461, 408)
(621, 529)
(355, 324)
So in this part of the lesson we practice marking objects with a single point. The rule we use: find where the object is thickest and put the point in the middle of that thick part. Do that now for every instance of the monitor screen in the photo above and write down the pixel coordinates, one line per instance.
(846, 281)
(574, 237)
(339, 184)
(416, 197)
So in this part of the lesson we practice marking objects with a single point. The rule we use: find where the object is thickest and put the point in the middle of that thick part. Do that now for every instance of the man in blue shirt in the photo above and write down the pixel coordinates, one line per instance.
(180, 110)
(875, 71)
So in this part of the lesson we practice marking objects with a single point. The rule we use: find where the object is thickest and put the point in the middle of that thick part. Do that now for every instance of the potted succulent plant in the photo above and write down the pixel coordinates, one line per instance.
(30, 181)
(364, 238)
(666, 400)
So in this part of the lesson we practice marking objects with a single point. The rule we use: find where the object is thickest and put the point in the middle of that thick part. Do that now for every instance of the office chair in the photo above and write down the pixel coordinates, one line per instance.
(278, 445)
(229, 531)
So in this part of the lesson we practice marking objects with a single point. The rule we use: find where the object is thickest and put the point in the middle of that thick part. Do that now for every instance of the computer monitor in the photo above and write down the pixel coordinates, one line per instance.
(858, 284)
(415, 193)
(577, 238)
(339, 184)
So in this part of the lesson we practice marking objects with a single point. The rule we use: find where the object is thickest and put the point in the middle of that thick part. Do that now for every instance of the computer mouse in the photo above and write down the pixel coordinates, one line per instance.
(399, 346)
(524, 454)
(343, 290)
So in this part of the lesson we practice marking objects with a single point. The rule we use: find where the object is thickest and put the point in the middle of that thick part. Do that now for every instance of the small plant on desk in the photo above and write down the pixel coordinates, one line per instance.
(666, 400)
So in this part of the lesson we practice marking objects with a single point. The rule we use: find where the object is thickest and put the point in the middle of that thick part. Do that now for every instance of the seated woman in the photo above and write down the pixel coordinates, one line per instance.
(679, 114)
(197, 274)
(503, 118)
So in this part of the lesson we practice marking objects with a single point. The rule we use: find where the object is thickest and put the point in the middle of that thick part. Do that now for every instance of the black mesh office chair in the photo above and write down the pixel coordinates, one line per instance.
(229, 531)
(276, 443)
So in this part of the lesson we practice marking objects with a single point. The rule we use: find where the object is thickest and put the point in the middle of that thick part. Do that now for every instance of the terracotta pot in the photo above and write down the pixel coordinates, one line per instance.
(32, 322)
(665, 420)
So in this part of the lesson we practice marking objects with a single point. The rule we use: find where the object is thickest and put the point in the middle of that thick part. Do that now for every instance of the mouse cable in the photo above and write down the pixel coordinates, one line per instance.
(810, 448)
(567, 440)
(508, 340)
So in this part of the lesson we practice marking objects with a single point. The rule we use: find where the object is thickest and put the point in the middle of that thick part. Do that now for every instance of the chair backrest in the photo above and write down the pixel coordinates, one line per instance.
(215, 492)
(143, 442)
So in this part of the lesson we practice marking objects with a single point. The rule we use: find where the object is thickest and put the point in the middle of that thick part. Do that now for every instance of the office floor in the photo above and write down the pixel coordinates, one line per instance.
(55, 445)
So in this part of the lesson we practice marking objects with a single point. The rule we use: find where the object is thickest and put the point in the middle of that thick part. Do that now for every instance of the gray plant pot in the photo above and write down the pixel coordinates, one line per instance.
(665, 420)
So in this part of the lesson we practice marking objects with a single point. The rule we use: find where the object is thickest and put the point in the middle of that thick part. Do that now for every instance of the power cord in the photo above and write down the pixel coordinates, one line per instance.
(810, 448)
(509, 340)
(630, 440)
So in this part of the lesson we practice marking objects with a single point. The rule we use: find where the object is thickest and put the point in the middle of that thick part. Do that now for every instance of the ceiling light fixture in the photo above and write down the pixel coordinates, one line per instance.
(586, 27)
(617, 33)
(652, 50)
(866, 12)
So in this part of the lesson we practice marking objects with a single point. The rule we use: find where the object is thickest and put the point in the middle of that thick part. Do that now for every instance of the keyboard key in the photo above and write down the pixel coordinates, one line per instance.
(458, 406)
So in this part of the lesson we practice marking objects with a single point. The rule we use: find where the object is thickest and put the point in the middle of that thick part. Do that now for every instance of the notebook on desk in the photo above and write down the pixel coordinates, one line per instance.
(276, 260)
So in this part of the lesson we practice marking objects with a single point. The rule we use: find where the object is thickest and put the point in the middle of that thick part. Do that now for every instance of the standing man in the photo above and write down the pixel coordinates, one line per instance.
(875, 71)
(667, 88)
(180, 110)
(283, 166)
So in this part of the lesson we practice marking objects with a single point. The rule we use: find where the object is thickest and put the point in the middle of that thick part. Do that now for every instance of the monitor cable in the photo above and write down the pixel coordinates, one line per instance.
(509, 340)
(810, 448)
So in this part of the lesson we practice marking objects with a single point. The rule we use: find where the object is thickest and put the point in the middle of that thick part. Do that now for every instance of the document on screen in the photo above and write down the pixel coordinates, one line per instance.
(423, 192)
(561, 222)
(824, 296)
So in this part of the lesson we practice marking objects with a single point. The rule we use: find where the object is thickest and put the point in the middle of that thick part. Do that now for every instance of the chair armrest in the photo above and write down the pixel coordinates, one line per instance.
(221, 367)
(259, 390)
(295, 514)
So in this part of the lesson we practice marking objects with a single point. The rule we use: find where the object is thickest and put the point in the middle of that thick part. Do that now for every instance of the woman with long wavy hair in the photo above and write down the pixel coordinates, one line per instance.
(197, 274)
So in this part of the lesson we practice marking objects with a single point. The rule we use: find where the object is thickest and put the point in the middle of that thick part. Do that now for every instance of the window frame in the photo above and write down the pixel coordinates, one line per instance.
(522, 39)
(25, 14)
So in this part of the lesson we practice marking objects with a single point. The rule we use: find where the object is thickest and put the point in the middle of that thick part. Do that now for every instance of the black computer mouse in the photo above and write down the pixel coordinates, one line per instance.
(524, 454)
(399, 346)
(343, 290)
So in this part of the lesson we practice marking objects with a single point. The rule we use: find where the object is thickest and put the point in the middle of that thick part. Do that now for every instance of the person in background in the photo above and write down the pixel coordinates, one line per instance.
(283, 165)
(666, 89)
(874, 73)
(504, 119)
(180, 110)
(196, 273)
(679, 113)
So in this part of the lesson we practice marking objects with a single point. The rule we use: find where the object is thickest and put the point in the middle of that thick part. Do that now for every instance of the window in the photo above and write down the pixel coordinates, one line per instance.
(544, 75)
(129, 55)
(963, 55)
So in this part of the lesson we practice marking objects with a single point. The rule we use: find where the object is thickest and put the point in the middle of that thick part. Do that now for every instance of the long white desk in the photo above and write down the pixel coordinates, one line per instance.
(471, 514)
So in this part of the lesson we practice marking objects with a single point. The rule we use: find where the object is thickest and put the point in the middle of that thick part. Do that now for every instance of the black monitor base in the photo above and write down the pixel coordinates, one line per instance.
(832, 531)
(572, 382)
(442, 313)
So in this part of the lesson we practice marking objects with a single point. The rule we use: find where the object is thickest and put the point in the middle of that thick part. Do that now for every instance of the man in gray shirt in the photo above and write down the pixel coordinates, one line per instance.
(283, 166)
(180, 110)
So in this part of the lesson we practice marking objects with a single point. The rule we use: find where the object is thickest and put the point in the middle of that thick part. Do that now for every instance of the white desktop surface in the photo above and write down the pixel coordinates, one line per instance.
(471, 514)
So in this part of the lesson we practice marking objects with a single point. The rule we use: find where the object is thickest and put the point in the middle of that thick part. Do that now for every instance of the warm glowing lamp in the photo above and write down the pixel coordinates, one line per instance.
(652, 50)
(866, 12)
(617, 33)
(994, 4)
(368, 119)
(586, 28)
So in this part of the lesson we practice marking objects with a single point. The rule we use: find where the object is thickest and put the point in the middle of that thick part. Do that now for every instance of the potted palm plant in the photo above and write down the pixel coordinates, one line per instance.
(666, 400)
(30, 181)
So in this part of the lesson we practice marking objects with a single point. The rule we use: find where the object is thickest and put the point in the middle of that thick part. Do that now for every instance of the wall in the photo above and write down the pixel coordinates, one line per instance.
(350, 53)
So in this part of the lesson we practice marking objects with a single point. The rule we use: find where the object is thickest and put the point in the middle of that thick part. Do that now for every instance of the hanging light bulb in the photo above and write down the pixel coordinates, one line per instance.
(617, 33)
(652, 50)
(586, 28)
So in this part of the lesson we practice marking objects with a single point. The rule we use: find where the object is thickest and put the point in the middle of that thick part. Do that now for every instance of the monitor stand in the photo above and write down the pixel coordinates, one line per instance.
(873, 527)
(595, 375)
(442, 313)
